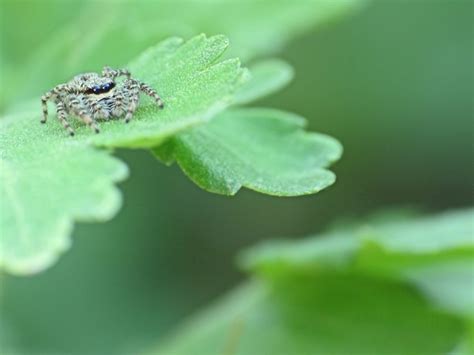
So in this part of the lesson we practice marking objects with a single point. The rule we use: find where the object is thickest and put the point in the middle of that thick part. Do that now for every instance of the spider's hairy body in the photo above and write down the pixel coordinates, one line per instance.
(93, 97)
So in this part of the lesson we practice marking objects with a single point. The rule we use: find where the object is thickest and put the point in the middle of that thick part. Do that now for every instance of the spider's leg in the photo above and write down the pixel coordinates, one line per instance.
(113, 73)
(151, 92)
(61, 111)
(48, 95)
(118, 104)
(132, 87)
(44, 100)
(79, 109)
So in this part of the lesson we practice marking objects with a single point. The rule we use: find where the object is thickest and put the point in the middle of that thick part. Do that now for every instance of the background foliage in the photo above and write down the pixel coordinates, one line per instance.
(388, 81)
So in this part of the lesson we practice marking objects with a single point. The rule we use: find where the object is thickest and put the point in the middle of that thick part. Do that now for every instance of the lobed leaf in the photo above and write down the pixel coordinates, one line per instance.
(268, 152)
(264, 150)
(49, 180)
(193, 85)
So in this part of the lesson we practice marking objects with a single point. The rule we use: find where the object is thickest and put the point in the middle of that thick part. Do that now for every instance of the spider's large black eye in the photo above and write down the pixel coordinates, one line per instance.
(108, 86)
(93, 90)
(100, 89)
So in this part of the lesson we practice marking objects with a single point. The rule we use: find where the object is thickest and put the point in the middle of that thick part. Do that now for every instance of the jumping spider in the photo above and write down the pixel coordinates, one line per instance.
(91, 96)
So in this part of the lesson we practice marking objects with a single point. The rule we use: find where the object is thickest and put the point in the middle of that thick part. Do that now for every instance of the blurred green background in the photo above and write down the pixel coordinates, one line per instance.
(393, 82)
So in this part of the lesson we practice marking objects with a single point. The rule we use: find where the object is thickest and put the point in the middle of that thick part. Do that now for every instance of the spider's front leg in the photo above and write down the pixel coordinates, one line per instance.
(113, 73)
(132, 91)
(151, 92)
(61, 112)
(79, 109)
(118, 104)
(54, 92)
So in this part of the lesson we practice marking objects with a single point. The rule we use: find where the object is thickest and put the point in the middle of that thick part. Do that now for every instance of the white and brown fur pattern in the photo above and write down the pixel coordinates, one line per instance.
(92, 97)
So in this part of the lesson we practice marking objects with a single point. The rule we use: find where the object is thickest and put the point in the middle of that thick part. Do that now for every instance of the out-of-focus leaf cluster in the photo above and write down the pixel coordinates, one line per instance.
(392, 287)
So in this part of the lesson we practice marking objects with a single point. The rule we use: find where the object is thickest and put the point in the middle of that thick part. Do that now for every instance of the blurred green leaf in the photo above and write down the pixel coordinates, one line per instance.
(48, 180)
(424, 235)
(264, 150)
(317, 314)
(122, 29)
(334, 294)
(466, 346)
(434, 253)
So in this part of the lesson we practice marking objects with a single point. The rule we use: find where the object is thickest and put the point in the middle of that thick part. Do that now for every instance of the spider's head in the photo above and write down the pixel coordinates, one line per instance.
(93, 84)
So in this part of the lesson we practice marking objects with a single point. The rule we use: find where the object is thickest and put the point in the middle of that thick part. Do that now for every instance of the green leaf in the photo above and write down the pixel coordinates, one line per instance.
(261, 149)
(434, 253)
(326, 314)
(49, 180)
(466, 346)
(337, 294)
(192, 84)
